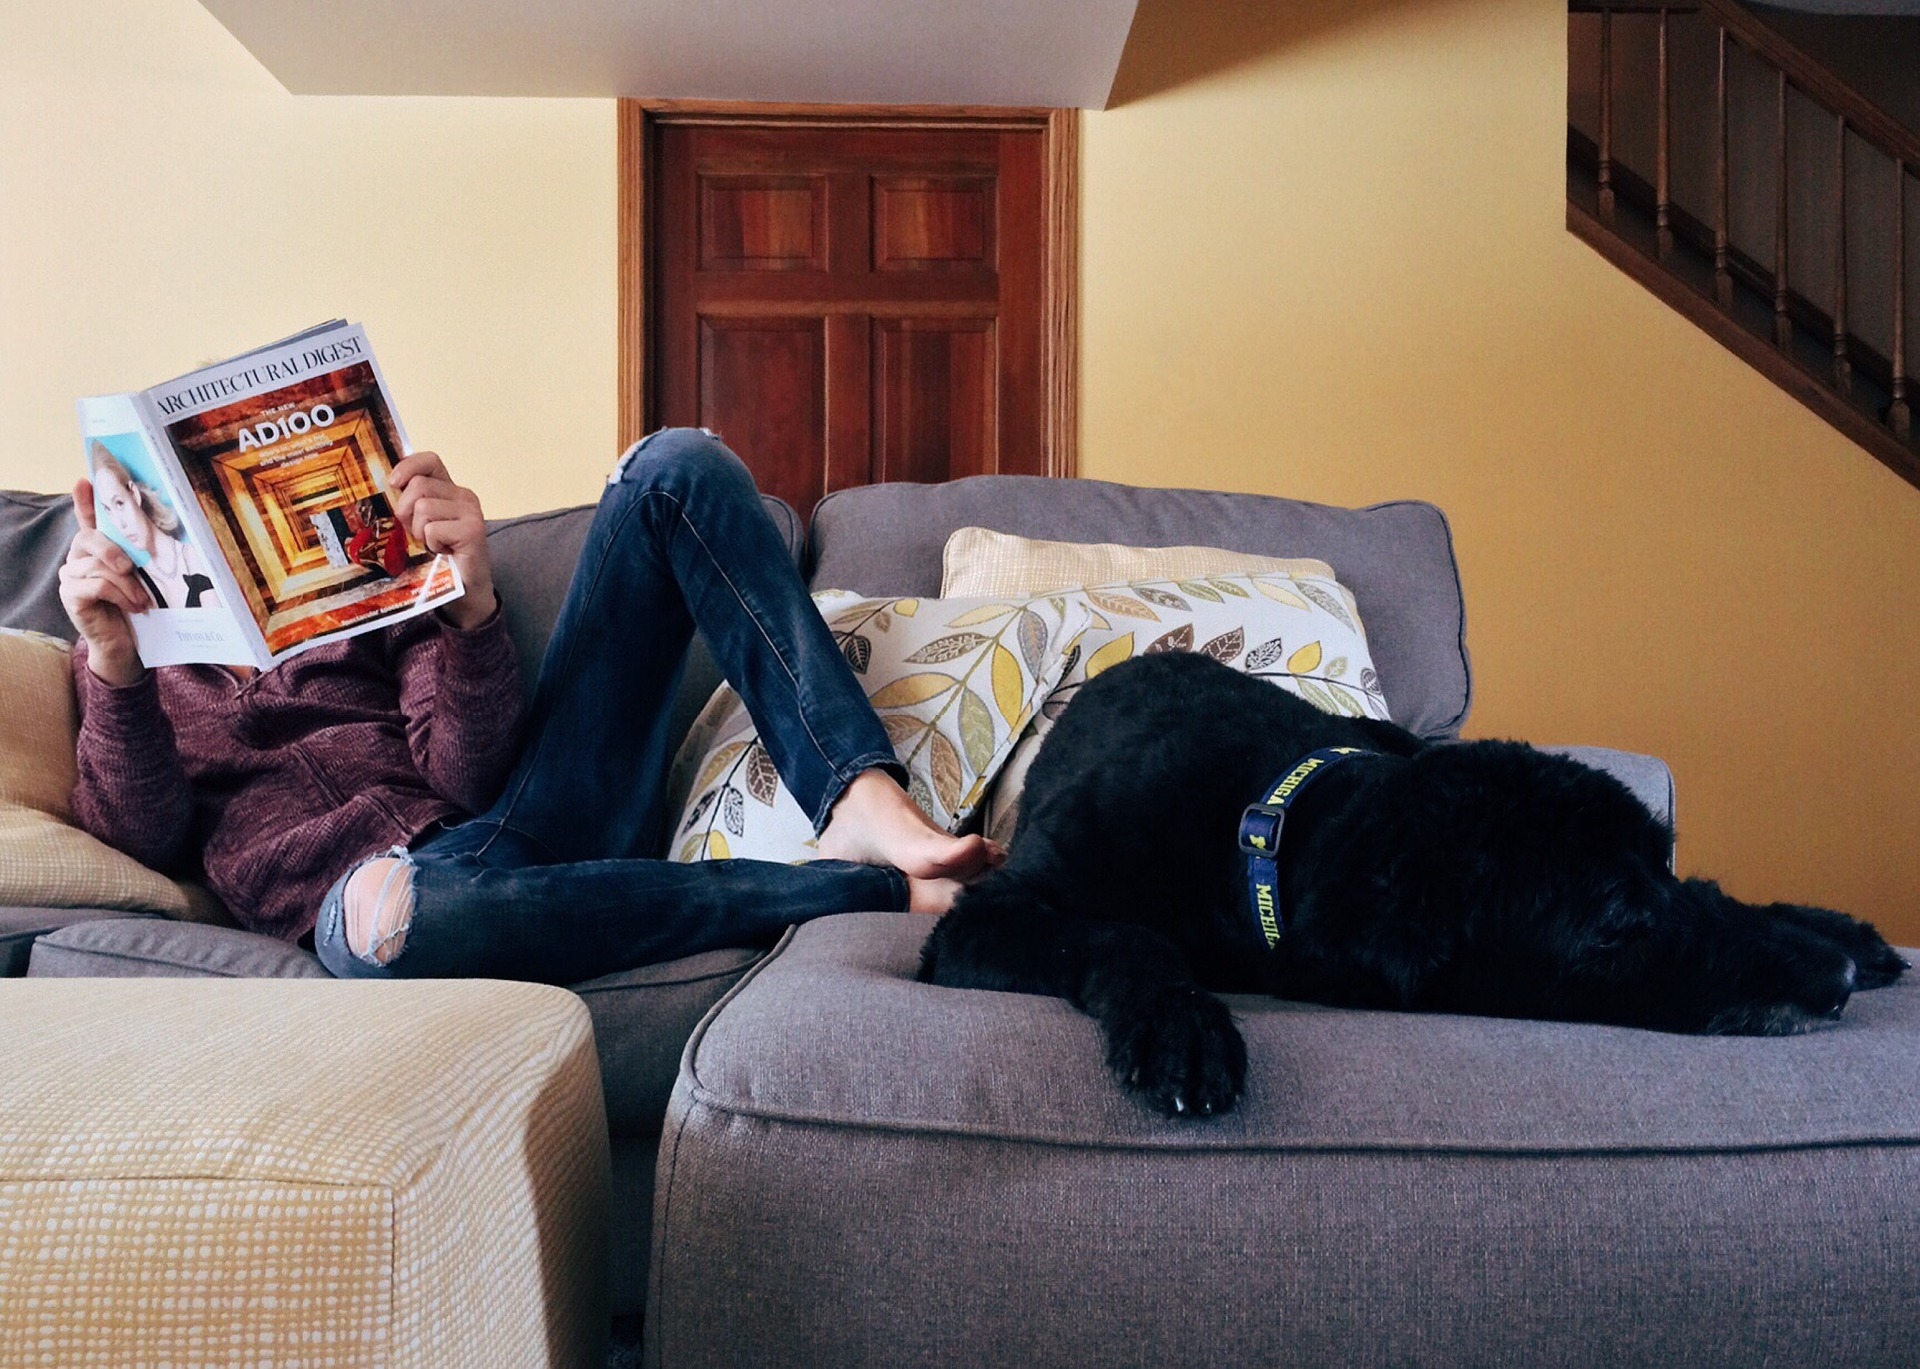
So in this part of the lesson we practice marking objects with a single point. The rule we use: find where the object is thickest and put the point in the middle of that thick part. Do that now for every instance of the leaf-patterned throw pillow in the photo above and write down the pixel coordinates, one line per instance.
(955, 682)
(1299, 629)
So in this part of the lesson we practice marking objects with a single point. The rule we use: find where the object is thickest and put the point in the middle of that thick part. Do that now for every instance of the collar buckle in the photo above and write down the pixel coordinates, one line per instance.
(1260, 829)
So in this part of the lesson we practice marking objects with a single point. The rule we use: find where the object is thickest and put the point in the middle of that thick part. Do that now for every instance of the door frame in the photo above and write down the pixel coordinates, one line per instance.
(638, 122)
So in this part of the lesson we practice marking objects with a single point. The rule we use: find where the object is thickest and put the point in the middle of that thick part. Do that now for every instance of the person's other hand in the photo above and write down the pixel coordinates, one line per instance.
(445, 517)
(98, 590)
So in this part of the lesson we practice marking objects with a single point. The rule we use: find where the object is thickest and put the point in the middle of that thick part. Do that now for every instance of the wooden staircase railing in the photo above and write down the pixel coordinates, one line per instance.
(1740, 281)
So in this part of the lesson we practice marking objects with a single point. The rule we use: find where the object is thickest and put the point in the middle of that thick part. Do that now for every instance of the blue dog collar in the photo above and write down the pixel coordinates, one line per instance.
(1260, 828)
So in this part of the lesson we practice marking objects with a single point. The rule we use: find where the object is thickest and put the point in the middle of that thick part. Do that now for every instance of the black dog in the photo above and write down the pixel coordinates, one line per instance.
(1480, 877)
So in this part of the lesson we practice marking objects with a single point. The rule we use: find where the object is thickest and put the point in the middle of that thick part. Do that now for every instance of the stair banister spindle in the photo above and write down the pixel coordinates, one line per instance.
(1842, 365)
(1663, 194)
(1722, 277)
(1782, 325)
(1900, 417)
(1606, 112)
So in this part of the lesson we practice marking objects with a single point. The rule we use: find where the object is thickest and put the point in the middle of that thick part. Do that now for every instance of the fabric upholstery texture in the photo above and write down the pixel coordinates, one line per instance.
(641, 1017)
(982, 561)
(20, 927)
(161, 948)
(1397, 558)
(374, 1174)
(1393, 1189)
(641, 1021)
(44, 858)
(35, 530)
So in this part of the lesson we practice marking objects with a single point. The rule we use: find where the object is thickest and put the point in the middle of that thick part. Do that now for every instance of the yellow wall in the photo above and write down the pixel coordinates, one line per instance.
(164, 202)
(1325, 256)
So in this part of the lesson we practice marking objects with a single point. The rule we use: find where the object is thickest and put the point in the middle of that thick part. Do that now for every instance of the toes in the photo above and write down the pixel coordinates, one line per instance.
(1183, 1056)
(1880, 966)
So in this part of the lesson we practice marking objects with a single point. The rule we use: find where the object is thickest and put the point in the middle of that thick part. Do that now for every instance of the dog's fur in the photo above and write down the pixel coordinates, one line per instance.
(1479, 877)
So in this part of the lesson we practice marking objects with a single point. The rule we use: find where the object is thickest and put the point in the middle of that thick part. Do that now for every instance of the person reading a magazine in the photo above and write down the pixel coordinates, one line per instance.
(174, 575)
(381, 794)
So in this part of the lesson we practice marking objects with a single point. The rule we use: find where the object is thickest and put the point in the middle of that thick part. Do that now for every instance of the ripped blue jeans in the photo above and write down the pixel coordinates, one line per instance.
(561, 879)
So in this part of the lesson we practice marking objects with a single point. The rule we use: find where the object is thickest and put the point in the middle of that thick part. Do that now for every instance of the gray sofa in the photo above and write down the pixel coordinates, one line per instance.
(854, 1168)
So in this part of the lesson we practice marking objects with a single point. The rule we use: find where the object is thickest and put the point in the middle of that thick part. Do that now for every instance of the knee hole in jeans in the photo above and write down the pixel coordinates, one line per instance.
(377, 905)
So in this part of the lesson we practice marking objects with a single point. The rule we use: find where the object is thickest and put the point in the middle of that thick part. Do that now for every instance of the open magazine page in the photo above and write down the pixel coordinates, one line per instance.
(288, 452)
(137, 505)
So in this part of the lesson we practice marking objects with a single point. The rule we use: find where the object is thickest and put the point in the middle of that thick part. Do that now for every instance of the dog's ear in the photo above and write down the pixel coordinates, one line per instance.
(1390, 738)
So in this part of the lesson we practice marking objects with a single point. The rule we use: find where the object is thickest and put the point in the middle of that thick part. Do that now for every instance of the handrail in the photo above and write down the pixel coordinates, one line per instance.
(1816, 79)
(1808, 73)
(1884, 423)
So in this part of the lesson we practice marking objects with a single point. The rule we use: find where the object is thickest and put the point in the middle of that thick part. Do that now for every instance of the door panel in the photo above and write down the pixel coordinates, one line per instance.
(848, 303)
(933, 223)
(935, 398)
(763, 387)
(763, 223)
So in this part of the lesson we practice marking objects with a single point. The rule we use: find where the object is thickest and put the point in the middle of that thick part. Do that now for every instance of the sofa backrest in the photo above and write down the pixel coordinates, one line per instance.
(35, 530)
(1396, 558)
(533, 560)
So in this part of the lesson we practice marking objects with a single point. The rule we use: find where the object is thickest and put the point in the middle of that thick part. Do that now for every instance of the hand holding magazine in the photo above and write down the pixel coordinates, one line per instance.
(253, 497)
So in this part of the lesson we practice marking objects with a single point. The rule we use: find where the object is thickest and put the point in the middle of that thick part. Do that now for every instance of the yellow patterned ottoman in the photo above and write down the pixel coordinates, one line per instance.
(299, 1173)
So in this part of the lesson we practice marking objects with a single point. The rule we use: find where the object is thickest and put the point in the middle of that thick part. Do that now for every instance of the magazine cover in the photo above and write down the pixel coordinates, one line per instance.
(276, 467)
(137, 505)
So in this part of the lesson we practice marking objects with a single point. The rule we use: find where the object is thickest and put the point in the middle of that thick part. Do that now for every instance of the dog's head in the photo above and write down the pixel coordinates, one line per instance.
(1490, 878)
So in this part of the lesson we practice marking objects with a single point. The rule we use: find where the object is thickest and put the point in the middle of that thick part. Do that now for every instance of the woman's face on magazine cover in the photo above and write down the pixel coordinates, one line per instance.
(112, 494)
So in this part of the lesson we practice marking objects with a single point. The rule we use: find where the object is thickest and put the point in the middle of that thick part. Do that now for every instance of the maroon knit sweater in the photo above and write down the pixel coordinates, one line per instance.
(271, 788)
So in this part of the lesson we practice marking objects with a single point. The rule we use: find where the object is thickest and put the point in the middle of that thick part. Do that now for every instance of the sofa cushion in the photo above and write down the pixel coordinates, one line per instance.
(1397, 558)
(641, 1021)
(160, 948)
(641, 1018)
(20, 927)
(835, 1028)
(44, 858)
(312, 1174)
(1393, 1189)
(982, 561)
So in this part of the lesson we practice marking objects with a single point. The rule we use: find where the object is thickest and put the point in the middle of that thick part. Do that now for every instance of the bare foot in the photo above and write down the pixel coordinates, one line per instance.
(933, 896)
(875, 823)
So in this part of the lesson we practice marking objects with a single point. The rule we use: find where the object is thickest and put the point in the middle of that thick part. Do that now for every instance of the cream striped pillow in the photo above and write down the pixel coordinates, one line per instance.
(980, 561)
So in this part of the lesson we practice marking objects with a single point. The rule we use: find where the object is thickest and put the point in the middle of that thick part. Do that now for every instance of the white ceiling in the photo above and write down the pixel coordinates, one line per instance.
(994, 52)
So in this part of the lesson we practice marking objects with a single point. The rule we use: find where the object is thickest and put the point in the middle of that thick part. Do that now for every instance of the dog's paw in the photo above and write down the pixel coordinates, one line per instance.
(1876, 964)
(1181, 1054)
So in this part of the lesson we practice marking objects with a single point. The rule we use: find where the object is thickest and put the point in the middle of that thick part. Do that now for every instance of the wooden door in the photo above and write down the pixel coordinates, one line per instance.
(854, 301)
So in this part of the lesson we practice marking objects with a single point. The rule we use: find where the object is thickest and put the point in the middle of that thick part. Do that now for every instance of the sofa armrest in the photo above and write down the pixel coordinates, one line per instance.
(1647, 776)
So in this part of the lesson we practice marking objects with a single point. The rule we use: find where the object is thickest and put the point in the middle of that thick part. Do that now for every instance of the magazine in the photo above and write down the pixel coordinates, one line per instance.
(253, 497)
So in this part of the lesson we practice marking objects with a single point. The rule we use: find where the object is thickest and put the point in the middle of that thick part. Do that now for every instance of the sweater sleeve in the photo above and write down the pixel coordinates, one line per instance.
(131, 791)
(460, 695)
